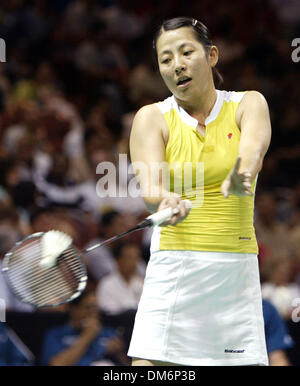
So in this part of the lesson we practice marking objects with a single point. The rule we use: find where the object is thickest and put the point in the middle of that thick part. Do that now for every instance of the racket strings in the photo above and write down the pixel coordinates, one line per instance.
(44, 287)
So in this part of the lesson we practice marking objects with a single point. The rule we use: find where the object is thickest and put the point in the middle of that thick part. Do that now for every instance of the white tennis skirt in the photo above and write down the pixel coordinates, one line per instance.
(201, 309)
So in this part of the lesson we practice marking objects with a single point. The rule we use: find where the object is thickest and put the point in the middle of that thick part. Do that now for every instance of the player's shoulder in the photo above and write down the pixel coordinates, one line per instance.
(150, 111)
(253, 102)
(253, 97)
(148, 116)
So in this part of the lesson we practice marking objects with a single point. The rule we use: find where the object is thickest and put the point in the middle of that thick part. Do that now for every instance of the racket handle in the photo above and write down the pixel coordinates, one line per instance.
(163, 215)
(152, 220)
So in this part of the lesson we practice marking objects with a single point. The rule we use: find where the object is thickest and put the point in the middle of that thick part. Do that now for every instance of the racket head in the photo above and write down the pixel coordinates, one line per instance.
(42, 287)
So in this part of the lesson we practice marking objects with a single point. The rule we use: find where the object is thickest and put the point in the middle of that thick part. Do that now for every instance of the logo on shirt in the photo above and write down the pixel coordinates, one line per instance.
(234, 351)
(229, 135)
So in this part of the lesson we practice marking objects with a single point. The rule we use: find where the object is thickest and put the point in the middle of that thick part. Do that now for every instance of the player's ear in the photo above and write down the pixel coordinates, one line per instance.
(213, 56)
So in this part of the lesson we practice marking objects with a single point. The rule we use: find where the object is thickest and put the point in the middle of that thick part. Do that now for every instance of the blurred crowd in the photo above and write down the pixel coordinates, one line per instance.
(76, 72)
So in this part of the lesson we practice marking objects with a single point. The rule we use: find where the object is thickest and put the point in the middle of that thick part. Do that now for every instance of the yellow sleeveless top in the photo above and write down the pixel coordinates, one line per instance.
(198, 166)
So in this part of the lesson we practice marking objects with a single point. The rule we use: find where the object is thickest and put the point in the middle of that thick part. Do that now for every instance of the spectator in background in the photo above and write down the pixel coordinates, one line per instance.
(278, 286)
(83, 341)
(272, 235)
(96, 152)
(107, 186)
(121, 290)
(16, 191)
(11, 219)
(101, 262)
(9, 177)
(277, 336)
(13, 352)
(22, 121)
(58, 188)
(62, 219)
(58, 174)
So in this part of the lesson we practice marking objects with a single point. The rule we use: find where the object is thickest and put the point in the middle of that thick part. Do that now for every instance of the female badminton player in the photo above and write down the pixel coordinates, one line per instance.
(201, 303)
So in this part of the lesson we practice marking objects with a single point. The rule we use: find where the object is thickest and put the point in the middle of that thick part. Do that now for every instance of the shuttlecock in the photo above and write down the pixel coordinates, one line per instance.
(53, 243)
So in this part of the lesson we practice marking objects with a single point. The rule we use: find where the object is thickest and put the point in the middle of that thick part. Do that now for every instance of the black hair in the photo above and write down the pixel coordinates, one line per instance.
(24, 194)
(6, 164)
(108, 217)
(202, 34)
(90, 134)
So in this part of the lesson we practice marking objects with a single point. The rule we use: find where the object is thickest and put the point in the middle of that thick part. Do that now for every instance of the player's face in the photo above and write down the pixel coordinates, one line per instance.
(183, 62)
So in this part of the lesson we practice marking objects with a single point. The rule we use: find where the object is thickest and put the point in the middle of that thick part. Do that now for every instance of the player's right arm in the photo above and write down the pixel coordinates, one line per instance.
(148, 140)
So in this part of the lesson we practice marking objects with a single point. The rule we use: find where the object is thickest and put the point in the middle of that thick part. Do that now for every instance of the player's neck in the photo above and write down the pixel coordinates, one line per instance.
(201, 105)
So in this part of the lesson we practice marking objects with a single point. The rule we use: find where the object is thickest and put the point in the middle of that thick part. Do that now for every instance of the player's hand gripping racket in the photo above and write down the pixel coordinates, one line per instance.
(46, 269)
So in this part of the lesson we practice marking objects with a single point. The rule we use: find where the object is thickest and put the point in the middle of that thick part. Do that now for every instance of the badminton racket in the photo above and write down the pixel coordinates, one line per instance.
(46, 269)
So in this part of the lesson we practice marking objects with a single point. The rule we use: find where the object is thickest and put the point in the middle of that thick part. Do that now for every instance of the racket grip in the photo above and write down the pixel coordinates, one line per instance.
(163, 215)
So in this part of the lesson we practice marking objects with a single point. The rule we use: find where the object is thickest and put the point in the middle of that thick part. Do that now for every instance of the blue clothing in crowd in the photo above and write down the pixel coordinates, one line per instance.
(60, 338)
(13, 352)
(277, 336)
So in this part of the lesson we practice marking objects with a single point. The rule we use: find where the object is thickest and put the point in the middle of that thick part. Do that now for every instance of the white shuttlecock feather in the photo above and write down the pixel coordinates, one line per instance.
(53, 243)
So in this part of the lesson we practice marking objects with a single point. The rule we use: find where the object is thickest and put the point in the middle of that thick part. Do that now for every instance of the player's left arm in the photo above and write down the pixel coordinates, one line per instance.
(253, 119)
